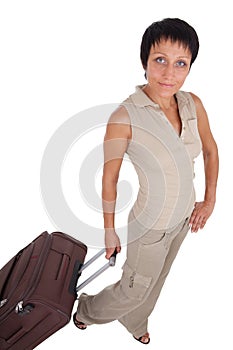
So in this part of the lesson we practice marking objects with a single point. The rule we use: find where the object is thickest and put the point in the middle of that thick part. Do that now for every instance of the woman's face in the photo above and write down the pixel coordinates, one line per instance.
(167, 67)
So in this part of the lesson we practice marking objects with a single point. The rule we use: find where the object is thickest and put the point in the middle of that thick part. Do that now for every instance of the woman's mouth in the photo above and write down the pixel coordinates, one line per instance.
(166, 85)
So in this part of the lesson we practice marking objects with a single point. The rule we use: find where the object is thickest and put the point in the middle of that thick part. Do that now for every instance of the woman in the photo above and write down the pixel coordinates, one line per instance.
(162, 129)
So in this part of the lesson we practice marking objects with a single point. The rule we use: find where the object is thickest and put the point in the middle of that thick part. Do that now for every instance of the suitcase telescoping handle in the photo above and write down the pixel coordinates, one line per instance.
(111, 263)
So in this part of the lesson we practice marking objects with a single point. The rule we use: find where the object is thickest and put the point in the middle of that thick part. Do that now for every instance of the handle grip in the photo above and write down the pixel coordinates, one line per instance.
(112, 259)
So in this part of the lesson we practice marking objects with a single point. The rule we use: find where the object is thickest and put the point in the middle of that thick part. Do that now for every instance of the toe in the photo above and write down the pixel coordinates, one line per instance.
(79, 324)
(145, 339)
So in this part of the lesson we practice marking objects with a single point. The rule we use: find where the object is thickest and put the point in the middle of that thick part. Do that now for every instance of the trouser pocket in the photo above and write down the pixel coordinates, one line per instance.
(133, 284)
(152, 237)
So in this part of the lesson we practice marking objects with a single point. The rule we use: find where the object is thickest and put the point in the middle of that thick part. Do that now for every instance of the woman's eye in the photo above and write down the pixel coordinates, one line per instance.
(180, 64)
(160, 60)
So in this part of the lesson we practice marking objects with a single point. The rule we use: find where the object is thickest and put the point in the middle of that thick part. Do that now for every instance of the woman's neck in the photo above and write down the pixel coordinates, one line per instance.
(165, 103)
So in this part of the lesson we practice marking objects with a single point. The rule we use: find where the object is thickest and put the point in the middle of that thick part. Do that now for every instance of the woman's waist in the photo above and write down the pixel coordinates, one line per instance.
(166, 212)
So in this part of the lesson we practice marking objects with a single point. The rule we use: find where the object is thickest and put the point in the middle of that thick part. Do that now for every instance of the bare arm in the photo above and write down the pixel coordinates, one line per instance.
(203, 210)
(118, 133)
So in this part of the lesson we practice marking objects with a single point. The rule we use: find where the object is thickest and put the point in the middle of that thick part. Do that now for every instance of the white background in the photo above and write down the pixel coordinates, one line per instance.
(58, 58)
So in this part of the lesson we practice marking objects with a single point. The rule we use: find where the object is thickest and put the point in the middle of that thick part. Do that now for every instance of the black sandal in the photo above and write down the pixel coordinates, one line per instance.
(78, 323)
(140, 339)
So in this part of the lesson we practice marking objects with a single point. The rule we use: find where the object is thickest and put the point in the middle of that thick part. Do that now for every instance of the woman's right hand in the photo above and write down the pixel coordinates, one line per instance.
(112, 242)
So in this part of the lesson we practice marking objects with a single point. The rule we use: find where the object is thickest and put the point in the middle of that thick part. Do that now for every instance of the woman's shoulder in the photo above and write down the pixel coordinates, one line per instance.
(191, 97)
(120, 115)
(119, 124)
(195, 104)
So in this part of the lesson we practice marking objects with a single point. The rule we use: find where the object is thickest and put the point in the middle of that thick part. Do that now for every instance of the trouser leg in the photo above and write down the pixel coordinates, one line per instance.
(142, 266)
(136, 321)
(118, 299)
(141, 272)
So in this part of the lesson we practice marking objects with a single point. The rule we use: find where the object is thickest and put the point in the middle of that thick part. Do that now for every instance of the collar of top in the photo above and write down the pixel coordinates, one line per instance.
(140, 99)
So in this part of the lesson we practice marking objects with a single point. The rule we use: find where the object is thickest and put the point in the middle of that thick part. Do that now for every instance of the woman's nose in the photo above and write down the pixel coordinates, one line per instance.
(169, 71)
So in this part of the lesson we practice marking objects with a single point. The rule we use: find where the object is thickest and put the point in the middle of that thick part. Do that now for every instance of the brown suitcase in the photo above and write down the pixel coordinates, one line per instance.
(38, 290)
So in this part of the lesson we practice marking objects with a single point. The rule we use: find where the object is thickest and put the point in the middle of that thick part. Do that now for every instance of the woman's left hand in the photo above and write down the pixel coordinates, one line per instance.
(200, 215)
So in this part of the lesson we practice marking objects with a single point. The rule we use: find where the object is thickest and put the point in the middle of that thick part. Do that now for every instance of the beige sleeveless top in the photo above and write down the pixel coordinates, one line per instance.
(163, 160)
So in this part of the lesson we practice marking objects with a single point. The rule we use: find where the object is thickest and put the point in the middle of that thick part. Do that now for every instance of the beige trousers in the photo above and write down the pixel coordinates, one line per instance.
(132, 299)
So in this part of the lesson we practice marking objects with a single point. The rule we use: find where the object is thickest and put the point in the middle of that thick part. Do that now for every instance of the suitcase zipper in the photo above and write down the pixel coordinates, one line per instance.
(19, 307)
(3, 302)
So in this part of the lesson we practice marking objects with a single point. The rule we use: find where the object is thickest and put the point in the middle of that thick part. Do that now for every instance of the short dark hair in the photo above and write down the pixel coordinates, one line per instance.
(173, 29)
